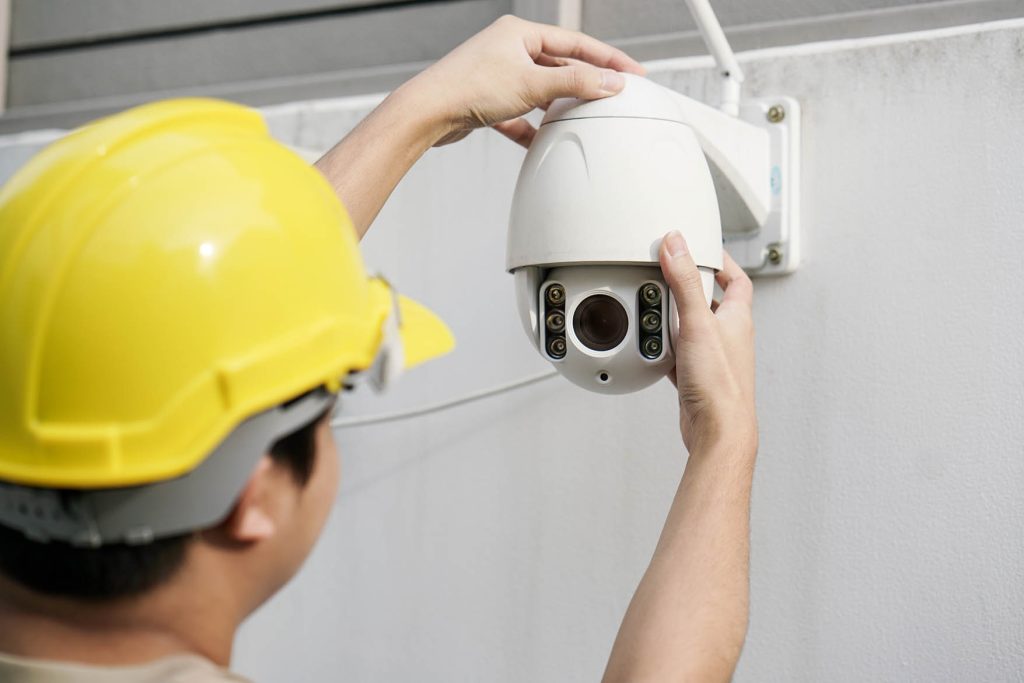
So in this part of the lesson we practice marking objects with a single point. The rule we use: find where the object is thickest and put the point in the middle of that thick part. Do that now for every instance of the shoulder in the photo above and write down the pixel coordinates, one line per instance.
(175, 669)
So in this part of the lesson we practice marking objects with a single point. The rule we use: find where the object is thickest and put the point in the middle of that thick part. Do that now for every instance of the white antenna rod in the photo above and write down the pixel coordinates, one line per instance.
(718, 46)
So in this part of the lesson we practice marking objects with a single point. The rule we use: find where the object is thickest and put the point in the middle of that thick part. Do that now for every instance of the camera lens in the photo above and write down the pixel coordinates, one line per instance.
(556, 347)
(650, 294)
(555, 295)
(556, 321)
(650, 322)
(652, 347)
(600, 322)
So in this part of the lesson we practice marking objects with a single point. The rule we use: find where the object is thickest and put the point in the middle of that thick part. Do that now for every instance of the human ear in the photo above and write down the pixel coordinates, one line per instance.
(251, 519)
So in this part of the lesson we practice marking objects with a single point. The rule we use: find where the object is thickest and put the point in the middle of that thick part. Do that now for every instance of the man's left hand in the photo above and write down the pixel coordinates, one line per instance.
(509, 69)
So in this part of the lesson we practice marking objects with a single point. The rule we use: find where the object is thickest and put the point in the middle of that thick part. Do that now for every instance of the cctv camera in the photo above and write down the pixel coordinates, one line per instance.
(609, 328)
(600, 186)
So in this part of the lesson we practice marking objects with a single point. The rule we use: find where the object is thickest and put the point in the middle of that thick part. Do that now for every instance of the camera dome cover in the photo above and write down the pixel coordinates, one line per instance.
(604, 181)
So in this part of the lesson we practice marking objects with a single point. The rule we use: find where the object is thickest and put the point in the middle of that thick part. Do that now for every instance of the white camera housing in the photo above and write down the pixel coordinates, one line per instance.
(602, 183)
(625, 367)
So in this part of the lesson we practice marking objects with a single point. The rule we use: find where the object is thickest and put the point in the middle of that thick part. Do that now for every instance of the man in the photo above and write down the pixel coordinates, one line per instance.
(180, 302)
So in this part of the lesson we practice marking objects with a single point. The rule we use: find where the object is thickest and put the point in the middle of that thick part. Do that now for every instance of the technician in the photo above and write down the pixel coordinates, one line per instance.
(181, 301)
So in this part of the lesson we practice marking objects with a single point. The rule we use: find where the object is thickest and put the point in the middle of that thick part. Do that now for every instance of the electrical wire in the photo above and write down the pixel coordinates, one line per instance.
(349, 422)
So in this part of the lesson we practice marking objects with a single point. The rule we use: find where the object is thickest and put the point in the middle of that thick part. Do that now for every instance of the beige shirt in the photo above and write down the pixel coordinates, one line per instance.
(177, 669)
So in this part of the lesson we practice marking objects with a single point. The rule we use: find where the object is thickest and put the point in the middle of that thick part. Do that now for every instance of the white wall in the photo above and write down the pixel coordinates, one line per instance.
(501, 541)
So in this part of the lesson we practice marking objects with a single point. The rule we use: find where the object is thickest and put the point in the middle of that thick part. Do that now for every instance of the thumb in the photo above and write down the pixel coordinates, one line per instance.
(684, 280)
(578, 80)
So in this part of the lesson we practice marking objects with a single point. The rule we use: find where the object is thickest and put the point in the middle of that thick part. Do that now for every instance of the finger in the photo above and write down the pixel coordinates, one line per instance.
(519, 131)
(580, 80)
(735, 283)
(560, 42)
(547, 60)
(683, 279)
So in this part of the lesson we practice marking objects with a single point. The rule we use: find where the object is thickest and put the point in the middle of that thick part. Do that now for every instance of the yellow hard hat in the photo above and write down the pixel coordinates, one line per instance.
(165, 273)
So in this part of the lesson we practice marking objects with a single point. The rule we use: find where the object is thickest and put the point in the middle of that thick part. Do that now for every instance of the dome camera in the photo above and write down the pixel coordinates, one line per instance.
(600, 186)
(609, 328)
(603, 182)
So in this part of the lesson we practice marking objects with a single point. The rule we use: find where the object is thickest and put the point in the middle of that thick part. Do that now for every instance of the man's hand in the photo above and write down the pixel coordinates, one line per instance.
(688, 618)
(503, 72)
(714, 371)
(512, 67)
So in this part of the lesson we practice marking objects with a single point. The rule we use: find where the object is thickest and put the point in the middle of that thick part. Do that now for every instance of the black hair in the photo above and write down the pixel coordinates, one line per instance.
(120, 570)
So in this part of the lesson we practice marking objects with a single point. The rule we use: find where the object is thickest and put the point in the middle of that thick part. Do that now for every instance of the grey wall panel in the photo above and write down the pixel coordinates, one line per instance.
(63, 115)
(620, 19)
(5, 23)
(361, 46)
(410, 33)
(53, 22)
(892, 20)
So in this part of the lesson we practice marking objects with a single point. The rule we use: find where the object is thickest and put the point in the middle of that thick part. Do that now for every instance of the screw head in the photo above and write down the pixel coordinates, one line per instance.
(776, 113)
(775, 256)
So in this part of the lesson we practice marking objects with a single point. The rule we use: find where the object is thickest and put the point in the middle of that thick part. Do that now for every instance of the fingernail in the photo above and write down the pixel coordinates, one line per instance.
(612, 81)
(675, 244)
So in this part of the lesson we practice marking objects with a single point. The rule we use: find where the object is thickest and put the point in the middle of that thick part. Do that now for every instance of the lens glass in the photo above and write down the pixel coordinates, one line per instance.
(600, 322)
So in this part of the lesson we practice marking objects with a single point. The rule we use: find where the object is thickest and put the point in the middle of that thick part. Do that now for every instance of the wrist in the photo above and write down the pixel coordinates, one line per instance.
(739, 447)
(425, 104)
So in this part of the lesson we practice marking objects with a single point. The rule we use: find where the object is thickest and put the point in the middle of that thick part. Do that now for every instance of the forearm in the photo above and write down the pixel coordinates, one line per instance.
(369, 162)
(688, 618)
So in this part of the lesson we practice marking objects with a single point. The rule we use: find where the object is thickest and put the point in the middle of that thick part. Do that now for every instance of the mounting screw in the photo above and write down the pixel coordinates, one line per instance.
(774, 255)
(776, 113)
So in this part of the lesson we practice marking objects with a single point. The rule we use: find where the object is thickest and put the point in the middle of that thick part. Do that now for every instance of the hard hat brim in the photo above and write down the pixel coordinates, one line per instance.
(423, 334)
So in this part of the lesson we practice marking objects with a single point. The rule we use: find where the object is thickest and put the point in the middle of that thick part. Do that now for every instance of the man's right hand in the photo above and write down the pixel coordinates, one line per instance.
(714, 370)
(688, 618)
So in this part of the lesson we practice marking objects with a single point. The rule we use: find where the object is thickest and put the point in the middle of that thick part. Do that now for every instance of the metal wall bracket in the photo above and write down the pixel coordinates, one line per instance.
(775, 248)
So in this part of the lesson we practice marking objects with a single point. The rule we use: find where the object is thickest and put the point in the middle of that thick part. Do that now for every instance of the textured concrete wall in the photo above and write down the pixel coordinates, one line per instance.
(501, 540)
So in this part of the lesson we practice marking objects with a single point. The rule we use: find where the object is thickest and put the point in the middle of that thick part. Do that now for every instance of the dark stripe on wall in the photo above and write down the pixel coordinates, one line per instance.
(228, 25)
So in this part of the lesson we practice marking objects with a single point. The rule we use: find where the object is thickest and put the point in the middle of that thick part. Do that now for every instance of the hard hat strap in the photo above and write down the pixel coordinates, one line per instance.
(389, 363)
(140, 514)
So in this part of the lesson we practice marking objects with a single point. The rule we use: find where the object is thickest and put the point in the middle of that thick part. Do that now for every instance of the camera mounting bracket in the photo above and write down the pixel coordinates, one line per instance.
(755, 166)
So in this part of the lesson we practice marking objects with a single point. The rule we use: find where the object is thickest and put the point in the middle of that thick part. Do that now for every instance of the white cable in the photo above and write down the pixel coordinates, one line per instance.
(718, 46)
(345, 423)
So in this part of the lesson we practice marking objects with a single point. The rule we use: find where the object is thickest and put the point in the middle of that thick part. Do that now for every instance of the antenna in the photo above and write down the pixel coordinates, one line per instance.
(718, 46)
